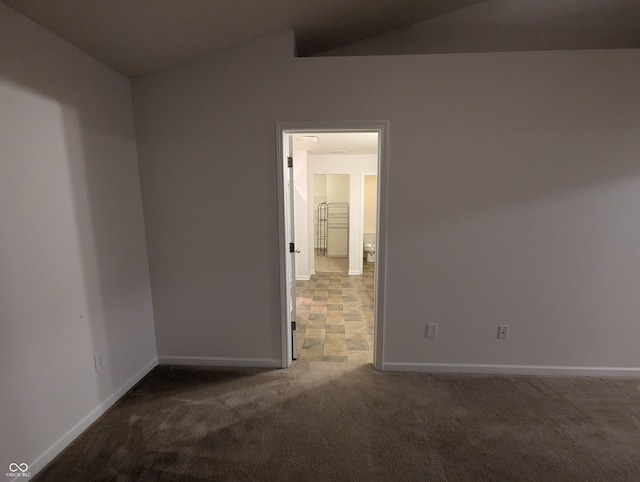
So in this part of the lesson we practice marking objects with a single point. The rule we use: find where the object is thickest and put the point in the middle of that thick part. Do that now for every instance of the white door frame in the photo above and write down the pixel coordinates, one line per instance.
(298, 127)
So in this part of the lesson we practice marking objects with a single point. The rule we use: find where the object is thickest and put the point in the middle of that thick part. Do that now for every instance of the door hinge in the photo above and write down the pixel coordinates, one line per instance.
(292, 248)
(293, 325)
(289, 161)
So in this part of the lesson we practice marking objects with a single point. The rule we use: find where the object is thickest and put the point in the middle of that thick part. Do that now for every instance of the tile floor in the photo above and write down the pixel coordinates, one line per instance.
(326, 264)
(335, 317)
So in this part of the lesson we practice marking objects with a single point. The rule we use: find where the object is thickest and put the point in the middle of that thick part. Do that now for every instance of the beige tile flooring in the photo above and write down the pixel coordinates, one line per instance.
(325, 264)
(335, 317)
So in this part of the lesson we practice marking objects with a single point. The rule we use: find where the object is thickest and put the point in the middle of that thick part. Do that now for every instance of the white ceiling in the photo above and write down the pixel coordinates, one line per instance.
(350, 142)
(139, 36)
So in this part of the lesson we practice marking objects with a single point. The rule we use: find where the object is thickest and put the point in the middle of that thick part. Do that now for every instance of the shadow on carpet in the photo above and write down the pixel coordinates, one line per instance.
(323, 421)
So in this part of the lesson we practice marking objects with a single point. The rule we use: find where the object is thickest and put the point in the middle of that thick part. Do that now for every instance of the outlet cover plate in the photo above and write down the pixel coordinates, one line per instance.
(432, 330)
(98, 360)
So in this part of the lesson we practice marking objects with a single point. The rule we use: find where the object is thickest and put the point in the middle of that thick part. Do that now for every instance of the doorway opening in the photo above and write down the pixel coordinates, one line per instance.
(332, 197)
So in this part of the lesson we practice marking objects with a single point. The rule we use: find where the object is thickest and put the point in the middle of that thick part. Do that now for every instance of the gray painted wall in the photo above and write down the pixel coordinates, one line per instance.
(74, 277)
(514, 189)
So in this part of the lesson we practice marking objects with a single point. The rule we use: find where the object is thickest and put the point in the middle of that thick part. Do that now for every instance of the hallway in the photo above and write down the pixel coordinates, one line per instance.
(335, 317)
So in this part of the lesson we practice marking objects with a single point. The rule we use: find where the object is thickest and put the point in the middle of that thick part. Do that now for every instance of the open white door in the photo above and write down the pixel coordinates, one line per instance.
(291, 260)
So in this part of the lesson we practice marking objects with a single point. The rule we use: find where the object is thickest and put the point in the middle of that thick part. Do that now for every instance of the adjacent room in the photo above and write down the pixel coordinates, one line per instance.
(455, 293)
(335, 206)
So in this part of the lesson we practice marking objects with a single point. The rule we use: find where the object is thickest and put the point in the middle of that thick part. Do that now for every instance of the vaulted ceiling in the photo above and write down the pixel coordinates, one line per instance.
(140, 36)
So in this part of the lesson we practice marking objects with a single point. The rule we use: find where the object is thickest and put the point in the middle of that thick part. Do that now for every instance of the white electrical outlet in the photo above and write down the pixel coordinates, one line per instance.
(432, 330)
(98, 359)
(503, 332)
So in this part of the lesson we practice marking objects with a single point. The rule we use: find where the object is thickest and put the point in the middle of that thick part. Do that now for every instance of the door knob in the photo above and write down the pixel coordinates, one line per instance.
(297, 250)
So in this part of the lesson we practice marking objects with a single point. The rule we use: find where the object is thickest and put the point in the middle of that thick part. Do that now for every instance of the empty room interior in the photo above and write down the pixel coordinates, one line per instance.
(355, 240)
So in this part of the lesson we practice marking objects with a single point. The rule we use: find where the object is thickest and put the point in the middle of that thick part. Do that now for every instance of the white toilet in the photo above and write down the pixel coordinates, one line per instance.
(370, 247)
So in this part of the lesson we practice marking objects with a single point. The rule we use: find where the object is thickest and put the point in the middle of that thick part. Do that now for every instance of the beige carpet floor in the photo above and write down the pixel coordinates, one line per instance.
(323, 421)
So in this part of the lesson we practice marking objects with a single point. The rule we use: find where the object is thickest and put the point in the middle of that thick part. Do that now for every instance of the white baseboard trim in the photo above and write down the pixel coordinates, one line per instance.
(220, 362)
(64, 441)
(354, 272)
(303, 278)
(576, 371)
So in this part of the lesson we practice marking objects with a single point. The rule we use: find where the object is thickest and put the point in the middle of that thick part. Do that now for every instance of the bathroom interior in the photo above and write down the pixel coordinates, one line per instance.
(331, 221)
(335, 206)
